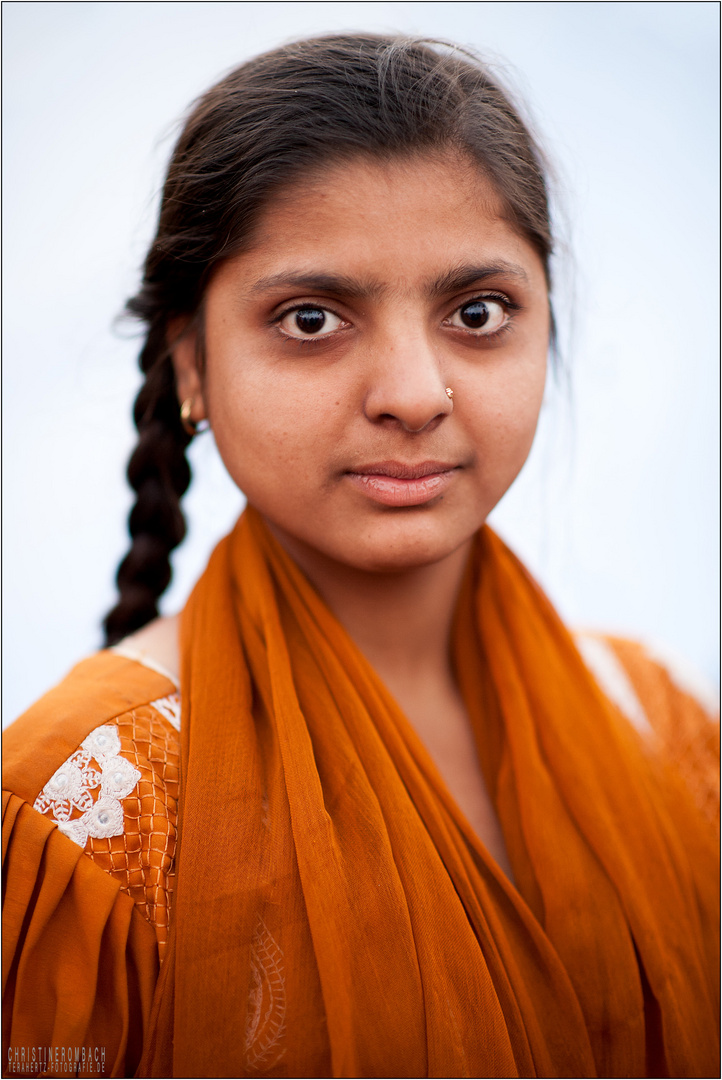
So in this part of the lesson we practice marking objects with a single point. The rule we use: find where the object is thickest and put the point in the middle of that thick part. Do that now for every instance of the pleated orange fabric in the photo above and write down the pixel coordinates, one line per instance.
(79, 961)
(334, 913)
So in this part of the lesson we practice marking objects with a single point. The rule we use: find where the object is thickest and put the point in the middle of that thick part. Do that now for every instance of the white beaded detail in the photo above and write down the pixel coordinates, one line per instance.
(170, 708)
(70, 787)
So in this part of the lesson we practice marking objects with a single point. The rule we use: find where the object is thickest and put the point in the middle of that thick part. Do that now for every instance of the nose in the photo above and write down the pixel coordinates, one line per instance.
(407, 388)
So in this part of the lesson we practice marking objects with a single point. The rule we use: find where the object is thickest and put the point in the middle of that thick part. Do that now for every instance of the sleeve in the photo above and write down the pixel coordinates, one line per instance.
(681, 712)
(678, 726)
(80, 963)
(88, 855)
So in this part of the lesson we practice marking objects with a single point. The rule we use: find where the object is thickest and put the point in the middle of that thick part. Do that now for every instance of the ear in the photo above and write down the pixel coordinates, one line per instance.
(183, 338)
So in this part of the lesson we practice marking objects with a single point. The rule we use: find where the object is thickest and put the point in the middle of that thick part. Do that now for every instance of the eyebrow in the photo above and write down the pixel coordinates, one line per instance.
(461, 277)
(453, 280)
(319, 282)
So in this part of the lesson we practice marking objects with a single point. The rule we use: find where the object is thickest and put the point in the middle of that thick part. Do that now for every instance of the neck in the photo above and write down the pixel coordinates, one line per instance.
(400, 621)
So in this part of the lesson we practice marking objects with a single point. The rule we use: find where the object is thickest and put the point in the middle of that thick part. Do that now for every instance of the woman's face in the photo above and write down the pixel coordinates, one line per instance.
(330, 344)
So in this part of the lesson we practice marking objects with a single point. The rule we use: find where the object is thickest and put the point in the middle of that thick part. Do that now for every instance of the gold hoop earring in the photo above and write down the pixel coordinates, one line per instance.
(191, 427)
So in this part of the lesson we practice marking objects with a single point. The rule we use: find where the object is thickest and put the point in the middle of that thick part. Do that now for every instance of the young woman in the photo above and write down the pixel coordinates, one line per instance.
(362, 809)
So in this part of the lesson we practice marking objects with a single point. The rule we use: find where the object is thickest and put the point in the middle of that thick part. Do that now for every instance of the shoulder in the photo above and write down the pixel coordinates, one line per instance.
(98, 757)
(672, 708)
(156, 646)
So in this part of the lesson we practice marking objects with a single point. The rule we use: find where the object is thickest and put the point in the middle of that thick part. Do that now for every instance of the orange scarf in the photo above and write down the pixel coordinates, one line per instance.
(335, 914)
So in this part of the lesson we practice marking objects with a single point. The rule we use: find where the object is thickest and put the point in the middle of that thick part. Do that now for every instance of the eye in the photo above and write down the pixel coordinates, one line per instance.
(486, 315)
(309, 321)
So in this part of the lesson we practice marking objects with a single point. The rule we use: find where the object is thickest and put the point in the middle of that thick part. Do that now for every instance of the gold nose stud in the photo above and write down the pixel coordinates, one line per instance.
(449, 392)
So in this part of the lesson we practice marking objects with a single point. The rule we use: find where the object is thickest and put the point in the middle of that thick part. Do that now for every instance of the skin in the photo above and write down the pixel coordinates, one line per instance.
(302, 421)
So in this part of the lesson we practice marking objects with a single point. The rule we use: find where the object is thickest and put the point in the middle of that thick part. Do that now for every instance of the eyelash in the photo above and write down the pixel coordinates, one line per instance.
(511, 307)
(311, 339)
(501, 298)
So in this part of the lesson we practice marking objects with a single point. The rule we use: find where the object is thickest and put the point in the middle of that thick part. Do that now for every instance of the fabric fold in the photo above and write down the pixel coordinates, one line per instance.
(79, 963)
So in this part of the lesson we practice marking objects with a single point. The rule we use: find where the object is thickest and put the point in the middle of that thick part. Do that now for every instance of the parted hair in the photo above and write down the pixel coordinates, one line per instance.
(264, 126)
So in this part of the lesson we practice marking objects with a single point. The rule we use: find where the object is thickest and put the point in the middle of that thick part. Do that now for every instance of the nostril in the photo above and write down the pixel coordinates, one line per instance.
(414, 404)
(408, 425)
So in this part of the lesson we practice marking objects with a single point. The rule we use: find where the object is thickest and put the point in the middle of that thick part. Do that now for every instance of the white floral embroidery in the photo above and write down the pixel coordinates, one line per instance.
(69, 788)
(118, 779)
(170, 708)
(106, 817)
(104, 740)
(266, 1020)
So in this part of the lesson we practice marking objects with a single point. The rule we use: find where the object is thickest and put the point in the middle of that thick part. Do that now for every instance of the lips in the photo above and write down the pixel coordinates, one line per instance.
(396, 483)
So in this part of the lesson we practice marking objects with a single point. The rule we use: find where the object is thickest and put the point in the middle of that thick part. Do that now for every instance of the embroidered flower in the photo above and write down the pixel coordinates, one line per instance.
(104, 740)
(105, 819)
(119, 777)
(69, 788)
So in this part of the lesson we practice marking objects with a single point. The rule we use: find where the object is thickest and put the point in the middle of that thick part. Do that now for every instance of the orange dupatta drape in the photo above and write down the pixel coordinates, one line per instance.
(335, 914)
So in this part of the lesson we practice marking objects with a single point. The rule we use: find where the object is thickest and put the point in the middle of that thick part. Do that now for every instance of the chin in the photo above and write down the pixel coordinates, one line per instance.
(390, 551)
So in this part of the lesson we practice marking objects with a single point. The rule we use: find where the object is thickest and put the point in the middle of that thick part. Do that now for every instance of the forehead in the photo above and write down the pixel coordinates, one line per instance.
(391, 221)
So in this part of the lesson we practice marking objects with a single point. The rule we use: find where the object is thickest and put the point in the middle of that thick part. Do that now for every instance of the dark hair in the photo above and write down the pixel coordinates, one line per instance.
(261, 128)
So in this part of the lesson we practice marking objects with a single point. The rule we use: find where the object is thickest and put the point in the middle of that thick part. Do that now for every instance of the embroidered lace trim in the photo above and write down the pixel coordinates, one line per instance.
(170, 708)
(141, 657)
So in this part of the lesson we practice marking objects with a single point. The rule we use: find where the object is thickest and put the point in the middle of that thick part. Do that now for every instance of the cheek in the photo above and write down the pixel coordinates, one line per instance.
(506, 412)
(269, 433)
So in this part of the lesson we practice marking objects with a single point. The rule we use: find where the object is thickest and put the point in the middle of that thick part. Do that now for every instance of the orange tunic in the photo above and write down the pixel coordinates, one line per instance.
(333, 914)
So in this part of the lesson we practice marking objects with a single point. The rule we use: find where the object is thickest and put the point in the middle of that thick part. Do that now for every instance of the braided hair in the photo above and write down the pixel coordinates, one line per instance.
(159, 474)
(266, 125)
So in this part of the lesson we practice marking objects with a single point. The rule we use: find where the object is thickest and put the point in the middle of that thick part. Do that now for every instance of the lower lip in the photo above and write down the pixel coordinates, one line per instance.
(394, 491)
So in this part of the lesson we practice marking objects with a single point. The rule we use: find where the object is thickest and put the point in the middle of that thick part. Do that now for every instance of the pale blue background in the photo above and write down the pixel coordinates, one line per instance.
(617, 509)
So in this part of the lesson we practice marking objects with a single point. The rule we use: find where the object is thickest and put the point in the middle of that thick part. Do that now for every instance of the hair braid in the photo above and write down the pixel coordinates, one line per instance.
(159, 474)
